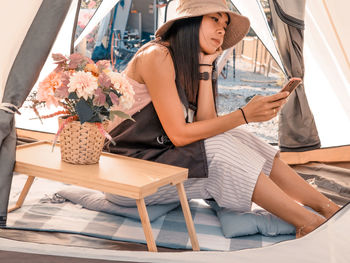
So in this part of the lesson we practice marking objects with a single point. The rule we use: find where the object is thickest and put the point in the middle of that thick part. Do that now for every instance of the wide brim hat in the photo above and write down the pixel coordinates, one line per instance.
(235, 31)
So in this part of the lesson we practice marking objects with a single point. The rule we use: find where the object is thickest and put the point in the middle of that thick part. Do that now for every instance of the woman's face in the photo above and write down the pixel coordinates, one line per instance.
(212, 32)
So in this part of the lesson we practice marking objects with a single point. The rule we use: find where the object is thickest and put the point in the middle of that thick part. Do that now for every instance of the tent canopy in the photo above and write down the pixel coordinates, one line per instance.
(326, 59)
(327, 74)
(327, 69)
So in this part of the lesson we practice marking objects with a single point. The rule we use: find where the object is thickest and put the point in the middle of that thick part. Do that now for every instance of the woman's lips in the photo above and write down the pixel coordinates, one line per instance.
(216, 41)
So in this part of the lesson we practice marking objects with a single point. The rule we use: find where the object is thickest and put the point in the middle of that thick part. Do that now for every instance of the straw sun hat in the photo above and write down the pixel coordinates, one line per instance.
(235, 31)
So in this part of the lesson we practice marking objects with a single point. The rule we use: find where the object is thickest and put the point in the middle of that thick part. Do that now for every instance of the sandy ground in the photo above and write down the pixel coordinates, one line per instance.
(235, 92)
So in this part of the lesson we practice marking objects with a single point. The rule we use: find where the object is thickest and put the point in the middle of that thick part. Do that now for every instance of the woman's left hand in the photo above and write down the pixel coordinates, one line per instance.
(209, 58)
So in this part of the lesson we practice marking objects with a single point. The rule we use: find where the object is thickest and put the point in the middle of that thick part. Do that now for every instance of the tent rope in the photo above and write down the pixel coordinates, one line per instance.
(8, 107)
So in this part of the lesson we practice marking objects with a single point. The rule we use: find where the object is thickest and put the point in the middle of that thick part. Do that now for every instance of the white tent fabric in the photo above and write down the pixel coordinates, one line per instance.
(100, 13)
(327, 69)
(13, 36)
(258, 22)
(338, 16)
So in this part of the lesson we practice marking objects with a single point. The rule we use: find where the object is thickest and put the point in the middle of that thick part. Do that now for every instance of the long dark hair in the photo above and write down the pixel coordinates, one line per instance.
(183, 37)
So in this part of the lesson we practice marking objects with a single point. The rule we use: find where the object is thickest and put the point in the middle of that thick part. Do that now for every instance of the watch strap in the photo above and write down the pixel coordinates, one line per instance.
(204, 75)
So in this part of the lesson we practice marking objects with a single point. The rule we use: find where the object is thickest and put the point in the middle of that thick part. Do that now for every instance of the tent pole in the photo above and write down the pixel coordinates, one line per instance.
(75, 26)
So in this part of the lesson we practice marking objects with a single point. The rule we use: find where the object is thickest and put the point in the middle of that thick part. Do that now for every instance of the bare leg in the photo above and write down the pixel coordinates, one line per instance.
(269, 196)
(298, 189)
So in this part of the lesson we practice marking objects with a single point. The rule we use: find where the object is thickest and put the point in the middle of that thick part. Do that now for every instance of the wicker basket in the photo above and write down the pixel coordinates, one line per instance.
(81, 143)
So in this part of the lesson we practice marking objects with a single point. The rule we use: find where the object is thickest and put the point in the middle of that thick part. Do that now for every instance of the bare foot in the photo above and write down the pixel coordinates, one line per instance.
(307, 228)
(329, 209)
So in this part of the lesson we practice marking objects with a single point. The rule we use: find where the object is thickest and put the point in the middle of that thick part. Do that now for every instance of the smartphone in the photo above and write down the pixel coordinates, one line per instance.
(291, 85)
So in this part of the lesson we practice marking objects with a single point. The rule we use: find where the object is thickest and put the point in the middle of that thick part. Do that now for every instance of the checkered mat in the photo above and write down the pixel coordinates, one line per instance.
(168, 230)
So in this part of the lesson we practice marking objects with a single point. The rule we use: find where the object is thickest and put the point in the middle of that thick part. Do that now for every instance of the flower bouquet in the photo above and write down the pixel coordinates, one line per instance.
(87, 94)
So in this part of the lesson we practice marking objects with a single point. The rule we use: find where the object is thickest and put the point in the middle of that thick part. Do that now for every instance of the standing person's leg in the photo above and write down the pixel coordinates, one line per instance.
(298, 189)
(272, 198)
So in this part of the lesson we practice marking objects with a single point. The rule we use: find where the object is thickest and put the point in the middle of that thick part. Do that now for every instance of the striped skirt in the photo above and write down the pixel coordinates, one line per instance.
(235, 160)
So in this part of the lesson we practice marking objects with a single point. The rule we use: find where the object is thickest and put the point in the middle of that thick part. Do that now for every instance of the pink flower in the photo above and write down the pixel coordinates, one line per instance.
(77, 78)
(62, 91)
(102, 65)
(91, 4)
(59, 58)
(89, 61)
(121, 85)
(99, 98)
(75, 60)
(83, 83)
(104, 80)
(117, 79)
(47, 87)
(127, 99)
(114, 98)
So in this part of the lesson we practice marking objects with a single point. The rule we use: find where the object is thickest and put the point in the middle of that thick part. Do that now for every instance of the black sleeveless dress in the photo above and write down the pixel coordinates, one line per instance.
(145, 139)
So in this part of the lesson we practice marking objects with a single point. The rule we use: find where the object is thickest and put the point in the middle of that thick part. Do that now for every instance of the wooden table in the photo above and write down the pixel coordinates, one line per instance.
(114, 174)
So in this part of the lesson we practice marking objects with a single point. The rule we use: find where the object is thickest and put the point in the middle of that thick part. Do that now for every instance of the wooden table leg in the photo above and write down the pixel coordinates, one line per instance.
(23, 194)
(141, 207)
(188, 217)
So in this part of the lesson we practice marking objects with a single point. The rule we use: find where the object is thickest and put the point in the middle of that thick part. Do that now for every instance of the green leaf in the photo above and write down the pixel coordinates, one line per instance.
(116, 92)
(73, 96)
(109, 101)
(120, 114)
(85, 112)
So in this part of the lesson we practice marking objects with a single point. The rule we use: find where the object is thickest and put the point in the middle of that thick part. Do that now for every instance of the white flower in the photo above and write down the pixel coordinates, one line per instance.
(121, 85)
(83, 83)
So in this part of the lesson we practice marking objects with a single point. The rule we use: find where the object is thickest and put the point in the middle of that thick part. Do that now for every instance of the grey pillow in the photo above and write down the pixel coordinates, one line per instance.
(95, 200)
(236, 224)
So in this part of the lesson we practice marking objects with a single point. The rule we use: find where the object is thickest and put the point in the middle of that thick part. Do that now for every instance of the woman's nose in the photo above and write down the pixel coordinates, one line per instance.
(221, 31)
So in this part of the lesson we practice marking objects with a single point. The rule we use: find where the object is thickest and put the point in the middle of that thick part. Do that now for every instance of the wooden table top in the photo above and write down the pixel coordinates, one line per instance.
(115, 174)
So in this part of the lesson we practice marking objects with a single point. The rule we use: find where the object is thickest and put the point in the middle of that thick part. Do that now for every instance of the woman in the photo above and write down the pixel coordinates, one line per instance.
(176, 122)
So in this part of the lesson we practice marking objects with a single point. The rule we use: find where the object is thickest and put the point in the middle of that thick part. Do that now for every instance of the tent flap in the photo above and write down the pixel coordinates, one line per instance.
(292, 12)
(7, 161)
(23, 74)
(296, 128)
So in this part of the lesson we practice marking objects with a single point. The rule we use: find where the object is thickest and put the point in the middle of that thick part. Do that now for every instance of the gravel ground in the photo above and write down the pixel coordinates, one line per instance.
(236, 92)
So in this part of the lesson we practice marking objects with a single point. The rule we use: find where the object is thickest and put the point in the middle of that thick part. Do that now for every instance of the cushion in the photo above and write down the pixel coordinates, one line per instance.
(236, 224)
(95, 200)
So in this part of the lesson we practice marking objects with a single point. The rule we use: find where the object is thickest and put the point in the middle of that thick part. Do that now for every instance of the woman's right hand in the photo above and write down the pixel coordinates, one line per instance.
(263, 108)
(209, 58)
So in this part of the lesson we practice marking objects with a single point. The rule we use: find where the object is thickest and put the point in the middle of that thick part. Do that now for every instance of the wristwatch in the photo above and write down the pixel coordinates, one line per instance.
(204, 75)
